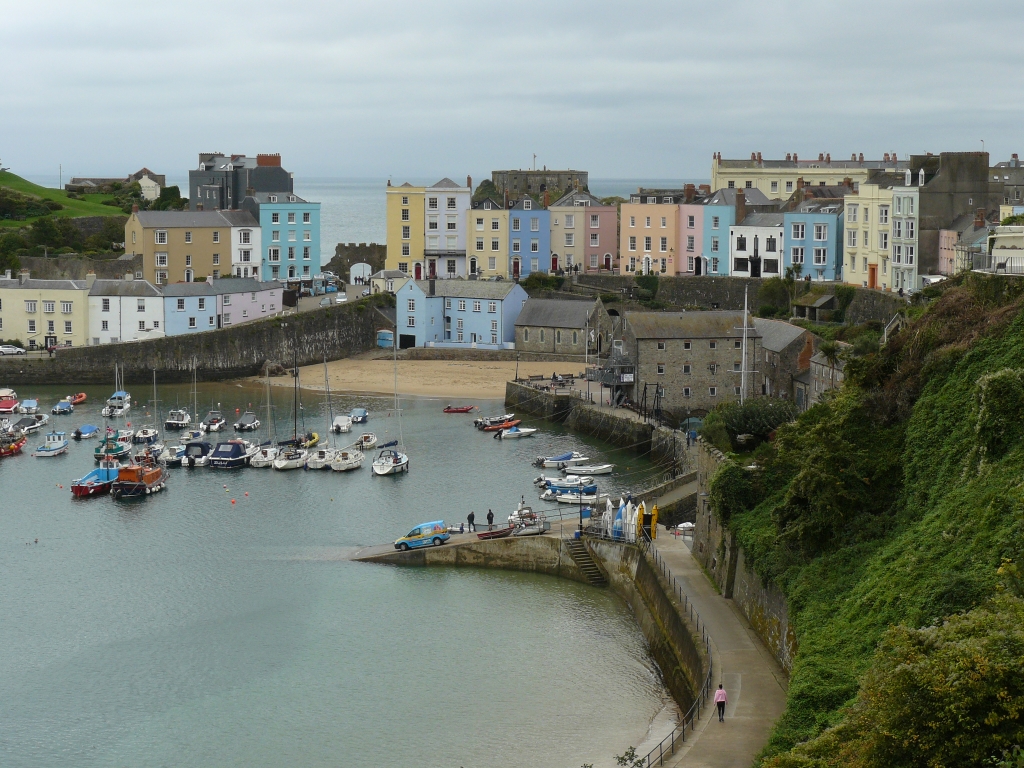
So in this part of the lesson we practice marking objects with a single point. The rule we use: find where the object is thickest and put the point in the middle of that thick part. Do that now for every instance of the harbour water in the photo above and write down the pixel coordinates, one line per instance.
(220, 623)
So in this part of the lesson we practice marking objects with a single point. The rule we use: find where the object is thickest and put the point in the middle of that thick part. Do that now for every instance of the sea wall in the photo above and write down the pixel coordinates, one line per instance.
(229, 353)
(563, 363)
(716, 549)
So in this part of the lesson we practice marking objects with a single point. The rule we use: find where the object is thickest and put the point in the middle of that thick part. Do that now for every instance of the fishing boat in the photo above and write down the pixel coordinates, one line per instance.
(359, 415)
(590, 469)
(77, 399)
(459, 408)
(486, 421)
(11, 443)
(562, 460)
(98, 481)
(233, 454)
(390, 461)
(145, 435)
(367, 441)
(341, 424)
(514, 432)
(503, 425)
(172, 455)
(28, 405)
(151, 450)
(139, 478)
(264, 456)
(213, 422)
(321, 458)
(85, 432)
(497, 533)
(197, 454)
(247, 423)
(347, 459)
(63, 408)
(118, 404)
(178, 418)
(116, 443)
(30, 424)
(9, 401)
(54, 444)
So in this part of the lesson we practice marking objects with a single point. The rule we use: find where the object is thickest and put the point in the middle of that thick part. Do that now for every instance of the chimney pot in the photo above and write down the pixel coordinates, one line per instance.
(979, 218)
(828, 157)
(821, 156)
(741, 205)
(135, 209)
(861, 160)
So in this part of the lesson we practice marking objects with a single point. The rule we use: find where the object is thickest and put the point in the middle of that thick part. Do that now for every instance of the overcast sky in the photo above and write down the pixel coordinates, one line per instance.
(424, 89)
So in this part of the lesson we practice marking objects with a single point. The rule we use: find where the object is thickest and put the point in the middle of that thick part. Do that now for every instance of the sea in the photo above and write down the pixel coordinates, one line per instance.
(221, 622)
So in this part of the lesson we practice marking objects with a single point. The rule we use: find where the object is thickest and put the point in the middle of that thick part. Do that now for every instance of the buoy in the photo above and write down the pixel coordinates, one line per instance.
(62, 487)
(232, 501)
(236, 410)
(224, 486)
(246, 493)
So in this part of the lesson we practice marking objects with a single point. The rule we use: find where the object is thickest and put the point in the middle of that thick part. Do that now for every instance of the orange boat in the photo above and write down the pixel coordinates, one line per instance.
(140, 478)
(76, 399)
(503, 425)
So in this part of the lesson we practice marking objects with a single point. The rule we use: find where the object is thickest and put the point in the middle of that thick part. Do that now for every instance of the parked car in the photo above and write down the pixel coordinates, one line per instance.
(326, 301)
(366, 292)
(425, 535)
(10, 349)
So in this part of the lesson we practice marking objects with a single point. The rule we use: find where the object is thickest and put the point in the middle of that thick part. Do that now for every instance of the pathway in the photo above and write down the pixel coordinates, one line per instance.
(754, 681)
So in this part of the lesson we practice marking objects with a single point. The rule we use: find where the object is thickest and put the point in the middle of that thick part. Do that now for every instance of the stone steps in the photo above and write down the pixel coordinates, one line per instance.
(581, 556)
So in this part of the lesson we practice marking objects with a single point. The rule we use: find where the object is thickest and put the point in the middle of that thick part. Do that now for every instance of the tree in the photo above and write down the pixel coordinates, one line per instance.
(830, 351)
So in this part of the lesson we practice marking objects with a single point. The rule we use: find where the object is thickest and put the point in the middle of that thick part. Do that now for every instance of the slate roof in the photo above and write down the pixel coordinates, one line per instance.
(220, 286)
(197, 219)
(446, 183)
(384, 274)
(573, 198)
(39, 284)
(282, 197)
(201, 288)
(124, 288)
(555, 313)
(774, 220)
(856, 164)
(821, 206)
(836, 192)
(753, 196)
(776, 335)
(688, 325)
(816, 300)
(487, 204)
(468, 289)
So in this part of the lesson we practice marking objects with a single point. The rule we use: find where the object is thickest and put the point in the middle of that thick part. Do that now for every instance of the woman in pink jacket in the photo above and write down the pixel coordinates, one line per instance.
(720, 700)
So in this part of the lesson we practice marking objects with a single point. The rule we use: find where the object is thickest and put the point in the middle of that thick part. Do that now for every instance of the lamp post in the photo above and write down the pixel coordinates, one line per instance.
(579, 483)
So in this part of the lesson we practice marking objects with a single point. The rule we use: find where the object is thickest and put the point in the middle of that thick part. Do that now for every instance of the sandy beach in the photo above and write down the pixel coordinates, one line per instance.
(449, 379)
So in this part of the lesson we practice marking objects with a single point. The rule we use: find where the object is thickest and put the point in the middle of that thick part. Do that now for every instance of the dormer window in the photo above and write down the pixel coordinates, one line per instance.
(528, 205)
(273, 198)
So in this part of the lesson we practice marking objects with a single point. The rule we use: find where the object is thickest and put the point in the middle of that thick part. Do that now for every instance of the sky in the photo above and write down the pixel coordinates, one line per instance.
(428, 89)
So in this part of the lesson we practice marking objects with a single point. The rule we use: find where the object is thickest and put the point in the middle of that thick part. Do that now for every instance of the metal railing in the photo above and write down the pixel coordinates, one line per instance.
(668, 746)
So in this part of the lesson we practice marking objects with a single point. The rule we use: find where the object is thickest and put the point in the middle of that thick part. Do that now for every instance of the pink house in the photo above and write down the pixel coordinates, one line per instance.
(691, 237)
(596, 231)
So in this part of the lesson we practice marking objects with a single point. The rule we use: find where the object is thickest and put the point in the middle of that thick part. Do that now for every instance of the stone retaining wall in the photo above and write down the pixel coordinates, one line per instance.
(75, 267)
(575, 362)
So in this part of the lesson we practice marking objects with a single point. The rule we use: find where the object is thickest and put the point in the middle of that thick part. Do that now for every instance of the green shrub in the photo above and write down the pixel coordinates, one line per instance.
(999, 415)
(609, 298)
(536, 282)
(713, 430)
(647, 283)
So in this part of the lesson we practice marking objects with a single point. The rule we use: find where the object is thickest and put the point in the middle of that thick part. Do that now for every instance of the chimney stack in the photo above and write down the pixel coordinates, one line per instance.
(979, 218)
(547, 198)
(135, 208)
(741, 205)
(705, 189)
(430, 287)
(795, 158)
(853, 158)
(800, 183)
(23, 276)
(885, 157)
(788, 157)
(821, 157)
(861, 160)
(753, 156)
(689, 192)
(848, 182)
(90, 278)
(759, 158)
(828, 157)
(469, 182)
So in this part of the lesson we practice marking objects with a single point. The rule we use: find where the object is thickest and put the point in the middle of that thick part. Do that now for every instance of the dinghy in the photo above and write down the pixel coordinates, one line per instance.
(513, 432)
(561, 461)
(590, 469)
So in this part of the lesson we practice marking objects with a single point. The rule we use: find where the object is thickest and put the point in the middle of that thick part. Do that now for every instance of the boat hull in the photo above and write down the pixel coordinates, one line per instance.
(346, 464)
(390, 469)
(84, 490)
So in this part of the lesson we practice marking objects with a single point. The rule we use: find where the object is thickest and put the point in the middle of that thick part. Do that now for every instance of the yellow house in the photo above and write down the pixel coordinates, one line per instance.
(777, 179)
(43, 313)
(184, 246)
(488, 242)
(867, 247)
(649, 232)
(405, 228)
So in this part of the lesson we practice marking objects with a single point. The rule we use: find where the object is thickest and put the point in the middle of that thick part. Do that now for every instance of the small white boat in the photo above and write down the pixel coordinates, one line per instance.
(341, 424)
(30, 424)
(563, 482)
(390, 462)
(55, 443)
(171, 455)
(562, 460)
(178, 419)
(145, 434)
(591, 469)
(213, 422)
(191, 436)
(264, 457)
(320, 458)
(29, 406)
(118, 404)
(487, 421)
(248, 422)
(291, 458)
(573, 498)
(512, 432)
(347, 459)
(367, 441)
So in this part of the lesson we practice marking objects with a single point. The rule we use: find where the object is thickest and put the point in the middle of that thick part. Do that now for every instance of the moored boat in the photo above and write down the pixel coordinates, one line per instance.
(85, 432)
(486, 421)
(213, 422)
(118, 404)
(359, 415)
(390, 461)
(569, 482)
(11, 443)
(247, 422)
(459, 408)
(28, 405)
(197, 454)
(514, 432)
(233, 454)
(347, 459)
(172, 455)
(30, 424)
(98, 481)
(77, 399)
(139, 478)
(367, 441)
(116, 443)
(63, 408)
(320, 458)
(590, 469)
(503, 425)
(290, 458)
(178, 418)
(191, 436)
(341, 424)
(146, 435)
(562, 460)
(572, 498)
(9, 402)
(264, 457)
(54, 444)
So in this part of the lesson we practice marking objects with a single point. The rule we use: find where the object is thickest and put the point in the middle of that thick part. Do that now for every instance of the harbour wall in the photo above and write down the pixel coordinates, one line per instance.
(715, 548)
(228, 353)
(564, 363)
(672, 638)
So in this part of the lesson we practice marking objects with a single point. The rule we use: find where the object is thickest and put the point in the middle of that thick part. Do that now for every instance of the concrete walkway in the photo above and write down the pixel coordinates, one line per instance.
(754, 681)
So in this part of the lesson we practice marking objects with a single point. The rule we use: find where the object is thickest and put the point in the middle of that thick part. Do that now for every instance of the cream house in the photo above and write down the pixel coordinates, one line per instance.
(45, 313)
(867, 248)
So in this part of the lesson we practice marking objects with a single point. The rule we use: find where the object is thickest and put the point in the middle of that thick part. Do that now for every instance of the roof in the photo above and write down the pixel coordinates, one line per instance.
(800, 164)
(774, 220)
(776, 335)
(124, 288)
(687, 325)
(39, 284)
(831, 192)
(555, 313)
(282, 197)
(840, 363)
(752, 196)
(389, 273)
(220, 286)
(446, 183)
(487, 204)
(468, 289)
(197, 219)
(816, 300)
(828, 205)
(520, 205)
(576, 198)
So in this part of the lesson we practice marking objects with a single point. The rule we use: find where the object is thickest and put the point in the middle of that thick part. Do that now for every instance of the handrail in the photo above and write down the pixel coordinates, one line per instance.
(669, 744)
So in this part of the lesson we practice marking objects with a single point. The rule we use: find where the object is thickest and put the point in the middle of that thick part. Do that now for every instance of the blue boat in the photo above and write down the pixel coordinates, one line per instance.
(85, 432)
(197, 454)
(359, 415)
(62, 408)
(29, 406)
(232, 454)
(98, 481)
(558, 490)
(55, 444)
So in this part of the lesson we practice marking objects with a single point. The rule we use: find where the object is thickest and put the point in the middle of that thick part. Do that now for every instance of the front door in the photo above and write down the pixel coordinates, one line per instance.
(515, 268)
(608, 262)
(419, 271)
(554, 262)
(872, 275)
(698, 266)
(433, 269)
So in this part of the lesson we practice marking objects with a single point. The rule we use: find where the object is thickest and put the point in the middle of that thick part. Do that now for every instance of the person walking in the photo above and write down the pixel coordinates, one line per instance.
(472, 521)
(490, 519)
(720, 701)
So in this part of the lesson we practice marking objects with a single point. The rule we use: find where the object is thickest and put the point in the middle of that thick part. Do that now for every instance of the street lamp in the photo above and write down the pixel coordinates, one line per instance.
(579, 483)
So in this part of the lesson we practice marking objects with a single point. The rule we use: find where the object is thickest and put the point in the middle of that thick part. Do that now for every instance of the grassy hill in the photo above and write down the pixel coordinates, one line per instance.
(90, 205)
(892, 516)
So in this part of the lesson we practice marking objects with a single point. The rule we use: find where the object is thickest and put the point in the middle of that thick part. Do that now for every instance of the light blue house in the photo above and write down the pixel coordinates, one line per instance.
(813, 238)
(290, 228)
(529, 238)
(189, 308)
(220, 303)
(458, 313)
(720, 215)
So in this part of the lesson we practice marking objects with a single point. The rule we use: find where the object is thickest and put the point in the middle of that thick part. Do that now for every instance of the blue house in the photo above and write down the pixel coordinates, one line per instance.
(813, 238)
(720, 215)
(458, 313)
(189, 308)
(529, 238)
(290, 228)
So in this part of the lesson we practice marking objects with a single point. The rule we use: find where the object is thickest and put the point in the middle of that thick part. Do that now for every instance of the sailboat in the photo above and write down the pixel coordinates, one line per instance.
(268, 450)
(392, 459)
(324, 456)
(292, 455)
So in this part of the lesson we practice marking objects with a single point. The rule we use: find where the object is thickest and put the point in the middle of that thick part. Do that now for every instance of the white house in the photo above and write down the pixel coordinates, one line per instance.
(125, 310)
(755, 246)
(246, 244)
(150, 187)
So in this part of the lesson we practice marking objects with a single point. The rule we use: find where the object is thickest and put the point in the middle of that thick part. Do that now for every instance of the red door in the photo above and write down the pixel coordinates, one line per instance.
(554, 263)
(515, 268)
(433, 270)
(419, 271)
(608, 262)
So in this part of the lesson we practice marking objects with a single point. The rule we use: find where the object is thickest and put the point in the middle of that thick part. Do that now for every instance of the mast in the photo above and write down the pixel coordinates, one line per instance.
(398, 408)
(743, 365)
(330, 406)
(270, 436)
(295, 396)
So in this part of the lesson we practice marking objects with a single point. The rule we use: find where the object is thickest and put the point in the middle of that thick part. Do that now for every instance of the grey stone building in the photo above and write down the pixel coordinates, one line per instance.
(786, 352)
(519, 183)
(221, 182)
(689, 362)
(564, 326)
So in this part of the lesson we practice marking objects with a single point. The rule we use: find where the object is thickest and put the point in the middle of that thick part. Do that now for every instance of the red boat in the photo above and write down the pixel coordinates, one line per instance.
(99, 480)
(12, 444)
(459, 408)
(503, 425)
(9, 403)
(76, 399)
(498, 533)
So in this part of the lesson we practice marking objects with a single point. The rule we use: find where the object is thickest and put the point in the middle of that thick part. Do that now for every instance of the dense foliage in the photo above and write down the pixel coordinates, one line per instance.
(15, 205)
(538, 281)
(49, 234)
(884, 513)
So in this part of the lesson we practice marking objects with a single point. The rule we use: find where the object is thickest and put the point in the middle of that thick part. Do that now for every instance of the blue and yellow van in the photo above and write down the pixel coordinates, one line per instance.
(424, 535)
